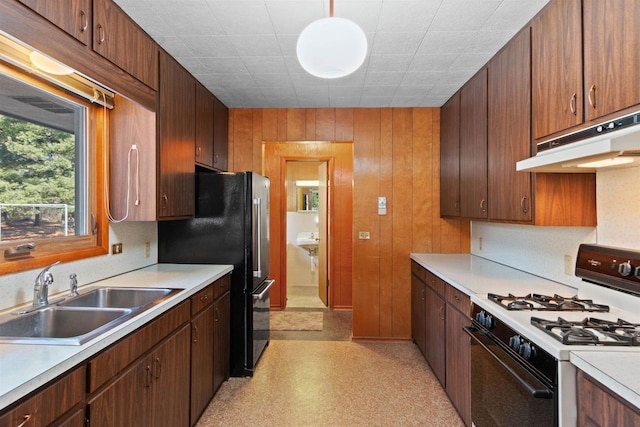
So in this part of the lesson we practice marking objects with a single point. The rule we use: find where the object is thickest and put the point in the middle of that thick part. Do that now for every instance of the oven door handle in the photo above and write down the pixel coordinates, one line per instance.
(267, 285)
(538, 392)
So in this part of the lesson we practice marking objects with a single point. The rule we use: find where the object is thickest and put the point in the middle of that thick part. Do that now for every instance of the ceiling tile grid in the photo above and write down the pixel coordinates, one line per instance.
(419, 51)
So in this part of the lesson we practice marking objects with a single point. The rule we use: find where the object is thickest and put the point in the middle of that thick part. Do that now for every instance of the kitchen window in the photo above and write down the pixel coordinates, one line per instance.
(51, 167)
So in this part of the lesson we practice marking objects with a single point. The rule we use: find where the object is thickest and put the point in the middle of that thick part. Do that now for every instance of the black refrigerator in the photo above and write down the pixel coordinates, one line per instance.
(231, 226)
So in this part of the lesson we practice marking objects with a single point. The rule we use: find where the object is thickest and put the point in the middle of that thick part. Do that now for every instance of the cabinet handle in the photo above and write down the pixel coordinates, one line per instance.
(424, 291)
(572, 104)
(148, 377)
(195, 333)
(158, 365)
(524, 205)
(198, 151)
(100, 34)
(165, 201)
(592, 96)
(456, 297)
(442, 311)
(84, 22)
(215, 159)
(217, 315)
(456, 206)
(483, 202)
(25, 420)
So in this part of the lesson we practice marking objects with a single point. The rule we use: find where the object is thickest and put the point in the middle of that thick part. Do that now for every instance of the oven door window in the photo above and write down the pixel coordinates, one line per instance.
(503, 393)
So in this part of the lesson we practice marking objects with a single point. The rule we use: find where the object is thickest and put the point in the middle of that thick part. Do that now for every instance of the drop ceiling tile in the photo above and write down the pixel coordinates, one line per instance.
(463, 15)
(234, 81)
(152, 23)
(256, 45)
(305, 79)
(272, 80)
(384, 79)
(193, 65)
(355, 79)
(443, 90)
(345, 91)
(210, 46)
(369, 91)
(376, 101)
(513, 14)
(364, 13)
(441, 62)
(345, 102)
(265, 65)
(176, 47)
(224, 65)
(435, 101)
(291, 17)
(423, 78)
(409, 91)
(406, 16)
(396, 43)
(381, 63)
(288, 43)
(407, 101)
(242, 17)
(192, 21)
(488, 41)
(441, 42)
(471, 61)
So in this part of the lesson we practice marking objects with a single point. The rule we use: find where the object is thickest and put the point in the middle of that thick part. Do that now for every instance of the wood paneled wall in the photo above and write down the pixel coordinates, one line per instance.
(396, 155)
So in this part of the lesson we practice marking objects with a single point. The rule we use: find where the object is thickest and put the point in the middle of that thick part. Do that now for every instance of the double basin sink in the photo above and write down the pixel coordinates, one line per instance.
(76, 320)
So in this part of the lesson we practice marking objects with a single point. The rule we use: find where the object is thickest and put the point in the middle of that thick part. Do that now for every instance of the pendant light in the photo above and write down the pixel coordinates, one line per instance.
(332, 47)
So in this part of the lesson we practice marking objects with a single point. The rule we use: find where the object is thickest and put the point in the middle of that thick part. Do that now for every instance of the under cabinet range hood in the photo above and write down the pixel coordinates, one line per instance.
(615, 143)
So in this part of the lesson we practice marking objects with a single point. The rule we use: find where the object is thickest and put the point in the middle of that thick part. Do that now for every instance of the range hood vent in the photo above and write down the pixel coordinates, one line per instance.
(615, 143)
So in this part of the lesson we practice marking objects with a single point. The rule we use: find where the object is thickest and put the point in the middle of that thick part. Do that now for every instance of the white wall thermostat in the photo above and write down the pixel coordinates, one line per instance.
(382, 205)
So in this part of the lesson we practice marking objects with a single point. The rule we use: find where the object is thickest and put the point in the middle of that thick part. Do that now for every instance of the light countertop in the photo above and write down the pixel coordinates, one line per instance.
(24, 368)
(476, 276)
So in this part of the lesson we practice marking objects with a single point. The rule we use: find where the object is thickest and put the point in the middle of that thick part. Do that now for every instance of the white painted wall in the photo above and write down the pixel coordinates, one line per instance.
(17, 288)
(541, 250)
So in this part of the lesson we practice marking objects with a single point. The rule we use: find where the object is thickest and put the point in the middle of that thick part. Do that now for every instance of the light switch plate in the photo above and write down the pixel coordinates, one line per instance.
(382, 205)
(364, 235)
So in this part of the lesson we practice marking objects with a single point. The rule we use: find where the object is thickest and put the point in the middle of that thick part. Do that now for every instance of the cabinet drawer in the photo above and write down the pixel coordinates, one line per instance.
(458, 299)
(49, 404)
(202, 299)
(419, 271)
(114, 359)
(221, 286)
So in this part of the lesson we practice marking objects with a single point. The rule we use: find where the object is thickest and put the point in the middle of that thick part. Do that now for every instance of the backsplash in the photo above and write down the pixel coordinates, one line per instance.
(17, 288)
(542, 250)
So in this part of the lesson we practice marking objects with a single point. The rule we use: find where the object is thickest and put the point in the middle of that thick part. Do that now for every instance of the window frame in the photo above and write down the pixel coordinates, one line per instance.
(70, 248)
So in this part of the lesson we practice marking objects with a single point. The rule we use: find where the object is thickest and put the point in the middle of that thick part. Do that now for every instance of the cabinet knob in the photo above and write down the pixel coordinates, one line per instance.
(84, 22)
(592, 96)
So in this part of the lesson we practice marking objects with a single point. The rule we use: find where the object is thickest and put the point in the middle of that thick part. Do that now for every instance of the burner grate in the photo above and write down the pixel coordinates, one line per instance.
(591, 331)
(539, 302)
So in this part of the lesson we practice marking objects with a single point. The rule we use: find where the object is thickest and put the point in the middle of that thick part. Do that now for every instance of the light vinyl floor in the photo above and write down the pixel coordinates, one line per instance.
(334, 383)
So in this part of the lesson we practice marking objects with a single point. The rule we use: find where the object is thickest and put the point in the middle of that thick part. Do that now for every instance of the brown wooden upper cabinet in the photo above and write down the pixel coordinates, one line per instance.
(204, 126)
(611, 55)
(473, 147)
(220, 135)
(72, 16)
(557, 87)
(119, 39)
(176, 140)
(608, 32)
(509, 138)
(450, 157)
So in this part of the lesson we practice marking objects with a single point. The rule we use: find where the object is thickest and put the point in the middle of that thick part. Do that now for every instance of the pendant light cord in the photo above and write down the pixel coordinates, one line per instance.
(331, 8)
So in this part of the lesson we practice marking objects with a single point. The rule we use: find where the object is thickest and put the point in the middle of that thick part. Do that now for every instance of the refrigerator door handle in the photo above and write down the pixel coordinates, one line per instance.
(257, 229)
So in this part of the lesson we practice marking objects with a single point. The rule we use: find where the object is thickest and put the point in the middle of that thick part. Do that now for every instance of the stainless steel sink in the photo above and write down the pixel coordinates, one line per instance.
(60, 325)
(76, 320)
(119, 297)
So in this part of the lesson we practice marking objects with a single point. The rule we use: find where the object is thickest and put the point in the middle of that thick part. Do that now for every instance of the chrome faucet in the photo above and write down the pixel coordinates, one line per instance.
(41, 288)
(73, 285)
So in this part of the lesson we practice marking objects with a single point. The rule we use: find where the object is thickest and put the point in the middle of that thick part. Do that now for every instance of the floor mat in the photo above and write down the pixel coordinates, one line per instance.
(296, 320)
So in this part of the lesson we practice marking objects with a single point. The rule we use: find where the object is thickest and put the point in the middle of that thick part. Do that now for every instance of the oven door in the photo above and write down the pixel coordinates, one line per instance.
(503, 392)
(260, 307)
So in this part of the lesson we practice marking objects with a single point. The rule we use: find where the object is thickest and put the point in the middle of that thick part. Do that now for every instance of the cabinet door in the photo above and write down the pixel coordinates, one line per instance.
(509, 131)
(418, 313)
(611, 55)
(202, 360)
(221, 336)
(556, 43)
(450, 157)
(473, 147)
(435, 330)
(458, 352)
(220, 135)
(170, 370)
(176, 140)
(117, 38)
(126, 401)
(72, 16)
(598, 406)
(204, 126)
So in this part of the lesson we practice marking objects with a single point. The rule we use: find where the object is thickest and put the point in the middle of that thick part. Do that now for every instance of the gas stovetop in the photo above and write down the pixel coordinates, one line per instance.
(540, 302)
(591, 331)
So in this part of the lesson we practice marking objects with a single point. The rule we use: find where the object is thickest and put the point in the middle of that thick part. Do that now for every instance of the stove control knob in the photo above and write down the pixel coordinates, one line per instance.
(480, 317)
(488, 321)
(625, 268)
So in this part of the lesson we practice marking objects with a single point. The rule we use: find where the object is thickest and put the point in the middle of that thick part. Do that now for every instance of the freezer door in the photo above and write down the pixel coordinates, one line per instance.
(260, 228)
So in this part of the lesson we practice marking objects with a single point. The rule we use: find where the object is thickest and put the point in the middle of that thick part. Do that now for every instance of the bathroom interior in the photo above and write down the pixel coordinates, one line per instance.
(306, 234)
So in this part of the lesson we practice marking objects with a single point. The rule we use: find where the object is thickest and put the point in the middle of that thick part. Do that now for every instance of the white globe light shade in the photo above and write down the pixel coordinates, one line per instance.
(330, 48)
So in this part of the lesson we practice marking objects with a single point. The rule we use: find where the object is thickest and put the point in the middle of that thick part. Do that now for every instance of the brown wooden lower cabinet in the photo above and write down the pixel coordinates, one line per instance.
(221, 337)
(446, 346)
(598, 406)
(49, 404)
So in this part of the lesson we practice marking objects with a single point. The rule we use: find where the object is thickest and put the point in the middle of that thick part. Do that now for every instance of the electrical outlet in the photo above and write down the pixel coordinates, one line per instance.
(147, 249)
(116, 248)
(568, 265)
(364, 235)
